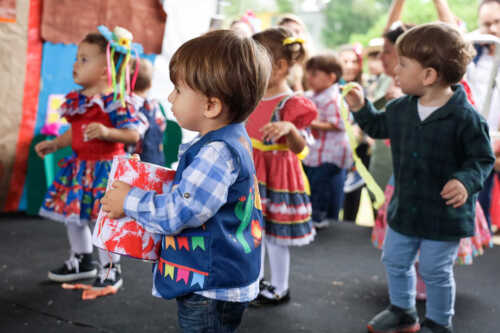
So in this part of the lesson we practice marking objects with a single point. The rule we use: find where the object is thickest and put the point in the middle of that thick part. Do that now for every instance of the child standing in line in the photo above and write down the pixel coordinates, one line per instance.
(275, 127)
(152, 121)
(211, 220)
(330, 156)
(441, 155)
(100, 126)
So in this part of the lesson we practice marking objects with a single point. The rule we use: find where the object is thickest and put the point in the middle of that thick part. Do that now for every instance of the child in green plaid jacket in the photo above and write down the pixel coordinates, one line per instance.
(441, 156)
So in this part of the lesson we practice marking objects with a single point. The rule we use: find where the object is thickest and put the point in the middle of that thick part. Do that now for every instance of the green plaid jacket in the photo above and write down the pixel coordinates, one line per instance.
(452, 143)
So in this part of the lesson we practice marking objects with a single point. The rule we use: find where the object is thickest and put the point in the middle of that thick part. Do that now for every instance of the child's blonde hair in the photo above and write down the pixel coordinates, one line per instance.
(224, 65)
(439, 46)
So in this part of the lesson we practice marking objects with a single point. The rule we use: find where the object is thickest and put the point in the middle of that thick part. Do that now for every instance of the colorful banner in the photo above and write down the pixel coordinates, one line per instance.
(360, 167)
(181, 274)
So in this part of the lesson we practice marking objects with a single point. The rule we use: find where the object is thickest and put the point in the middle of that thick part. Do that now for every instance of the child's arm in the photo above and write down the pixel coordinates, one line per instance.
(394, 13)
(371, 121)
(444, 12)
(478, 160)
(101, 132)
(275, 130)
(49, 146)
(201, 192)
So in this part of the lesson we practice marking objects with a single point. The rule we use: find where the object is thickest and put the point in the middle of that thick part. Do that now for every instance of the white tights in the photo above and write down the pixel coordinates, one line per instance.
(279, 262)
(80, 240)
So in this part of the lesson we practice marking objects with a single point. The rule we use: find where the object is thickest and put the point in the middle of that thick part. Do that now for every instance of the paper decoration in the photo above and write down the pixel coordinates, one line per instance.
(360, 167)
(198, 279)
(169, 241)
(145, 19)
(125, 236)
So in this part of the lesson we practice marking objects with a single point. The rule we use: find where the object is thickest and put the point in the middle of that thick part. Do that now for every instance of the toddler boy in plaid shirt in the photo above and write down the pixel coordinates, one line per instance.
(441, 157)
(330, 155)
(211, 221)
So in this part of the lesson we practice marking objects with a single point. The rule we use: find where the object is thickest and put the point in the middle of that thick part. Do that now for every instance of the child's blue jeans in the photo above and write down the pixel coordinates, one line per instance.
(197, 314)
(327, 190)
(435, 265)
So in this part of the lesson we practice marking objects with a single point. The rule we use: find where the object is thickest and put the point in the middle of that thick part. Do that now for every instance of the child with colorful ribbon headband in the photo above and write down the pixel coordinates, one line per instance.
(120, 41)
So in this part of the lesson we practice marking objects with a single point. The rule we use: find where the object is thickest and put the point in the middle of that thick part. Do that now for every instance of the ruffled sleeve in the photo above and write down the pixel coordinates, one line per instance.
(71, 104)
(300, 111)
(121, 116)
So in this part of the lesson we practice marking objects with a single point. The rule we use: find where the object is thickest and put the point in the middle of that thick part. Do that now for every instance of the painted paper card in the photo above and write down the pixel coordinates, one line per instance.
(125, 236)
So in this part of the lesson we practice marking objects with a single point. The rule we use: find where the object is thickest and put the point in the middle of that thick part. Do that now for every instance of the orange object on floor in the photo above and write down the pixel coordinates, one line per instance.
(89, 292)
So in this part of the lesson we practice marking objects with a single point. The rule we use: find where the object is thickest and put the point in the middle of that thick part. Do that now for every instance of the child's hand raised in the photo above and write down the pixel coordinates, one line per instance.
(113, 200)
(275, 130)
(355, 98)
(455, 193)
(96, 131)
(45, 147)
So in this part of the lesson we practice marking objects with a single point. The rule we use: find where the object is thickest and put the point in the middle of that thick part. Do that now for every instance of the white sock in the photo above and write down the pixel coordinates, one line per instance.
(106, 257)
(279, 261)
(262, 256)
(79, 237)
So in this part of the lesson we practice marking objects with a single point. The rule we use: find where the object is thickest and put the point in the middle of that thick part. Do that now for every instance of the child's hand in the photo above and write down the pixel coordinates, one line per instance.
(275, 130)
(355, 98)
(45, 147)
(455, 193)
(96, 131)
(113, 200)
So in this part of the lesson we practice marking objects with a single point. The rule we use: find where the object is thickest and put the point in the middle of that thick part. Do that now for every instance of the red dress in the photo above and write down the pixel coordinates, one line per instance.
(285, 202)
(81, 182)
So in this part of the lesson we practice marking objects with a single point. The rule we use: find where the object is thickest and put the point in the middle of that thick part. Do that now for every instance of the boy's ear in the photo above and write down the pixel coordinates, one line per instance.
(213, 108)
(333, 77)
(431, 76)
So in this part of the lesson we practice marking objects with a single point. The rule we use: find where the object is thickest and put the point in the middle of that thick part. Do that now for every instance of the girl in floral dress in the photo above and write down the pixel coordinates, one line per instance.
(100, 126)
(278, 145)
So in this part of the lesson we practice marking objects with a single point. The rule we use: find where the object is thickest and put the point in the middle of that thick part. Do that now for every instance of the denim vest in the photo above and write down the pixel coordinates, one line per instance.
(225, 251)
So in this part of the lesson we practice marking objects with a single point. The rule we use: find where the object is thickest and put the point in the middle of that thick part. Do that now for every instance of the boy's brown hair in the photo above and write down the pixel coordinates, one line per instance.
(224, 65)
(328, 63)
(272, 39)
(439, 46)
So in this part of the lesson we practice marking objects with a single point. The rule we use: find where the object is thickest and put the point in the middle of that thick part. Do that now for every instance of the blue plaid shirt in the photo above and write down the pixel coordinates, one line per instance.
(207, 179)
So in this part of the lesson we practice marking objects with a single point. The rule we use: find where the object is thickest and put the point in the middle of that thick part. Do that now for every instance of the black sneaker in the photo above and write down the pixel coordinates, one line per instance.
(270, 297)
(264, 284)
(430, 326)
(78, 266)
(109, 276)
(395, 320)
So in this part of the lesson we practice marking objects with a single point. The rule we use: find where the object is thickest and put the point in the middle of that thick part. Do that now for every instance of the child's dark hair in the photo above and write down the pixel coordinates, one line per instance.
(393, 34)
(97, 39)
(328, 63)
(439, 46)
(273, 40)
(144, 76)
(224, 65)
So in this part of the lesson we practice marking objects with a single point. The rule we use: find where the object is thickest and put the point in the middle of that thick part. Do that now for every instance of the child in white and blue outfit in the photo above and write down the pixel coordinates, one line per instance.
(152, 120)
(441, 155)
(211, 220)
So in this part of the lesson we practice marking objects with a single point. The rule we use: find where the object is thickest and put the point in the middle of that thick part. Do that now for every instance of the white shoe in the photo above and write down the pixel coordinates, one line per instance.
(322, 224)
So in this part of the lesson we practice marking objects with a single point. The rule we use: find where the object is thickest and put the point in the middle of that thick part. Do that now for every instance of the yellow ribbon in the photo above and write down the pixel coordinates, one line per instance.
(259, 145)
(292, 40)
(360, 167)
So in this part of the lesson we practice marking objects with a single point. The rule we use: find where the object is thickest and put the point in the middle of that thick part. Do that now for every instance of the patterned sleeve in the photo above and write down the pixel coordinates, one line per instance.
(71, 102)
(202, 190)
(333, 112)
(122, 116)
(300, 111)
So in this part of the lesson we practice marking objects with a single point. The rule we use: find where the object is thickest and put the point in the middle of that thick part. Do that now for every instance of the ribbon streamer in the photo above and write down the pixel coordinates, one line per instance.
(360, 167)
